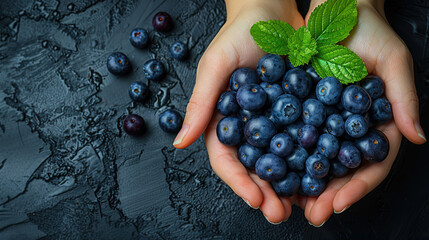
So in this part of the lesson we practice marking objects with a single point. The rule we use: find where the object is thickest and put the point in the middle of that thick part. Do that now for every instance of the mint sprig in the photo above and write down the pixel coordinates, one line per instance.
(328, 24)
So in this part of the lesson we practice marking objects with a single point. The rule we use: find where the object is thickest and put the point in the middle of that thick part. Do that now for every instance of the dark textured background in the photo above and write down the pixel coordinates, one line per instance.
(67, 170)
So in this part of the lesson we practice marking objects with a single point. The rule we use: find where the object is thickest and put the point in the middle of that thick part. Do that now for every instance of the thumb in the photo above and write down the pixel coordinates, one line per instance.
(214, 69)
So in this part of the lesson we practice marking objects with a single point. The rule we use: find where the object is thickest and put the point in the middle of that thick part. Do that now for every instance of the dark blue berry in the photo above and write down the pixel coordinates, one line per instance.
(259, 130)
(134, 124)
(162, 22)
(230, 131)
(313, 112)
(331, 110)
(297, 82)
(179, 51)
(241, 77)
(251, 97)
(246, 115)
(381, 111)
(317, 166)
(118, 64)
(311, 186)
(139, 38)
(328, 91)
(374, 145)
(335, 125)
(281, 144)
(346, 114)
(355, 99)
(270, 68)
(227, 104)
(154, 70)
(292, 130)
(273, 92)
(373, 85)
(170, 121)
(138, 91)
(337, 169)
(296, 160)
(349, 155)
(356, 126)
(270, 167)
(288, 185)
(286, 109)
(313, 74)
(248, 155)
(328, 145)
(307, 136)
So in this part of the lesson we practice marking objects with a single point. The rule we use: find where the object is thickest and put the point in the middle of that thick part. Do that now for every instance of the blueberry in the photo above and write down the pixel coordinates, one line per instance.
(313, 112)
(307, 136)
(154, 70)
(346, 114)
(281, 144)
(292, 130)
(356, 126)
(335, 125)
(269, 114)
(297, 82)
(286, 109)
(273, 92)
(162, 22)
(248, 155)
(138, 91)
(227, 104)
(349, 155)
(288, 185)
(139, 38)
(317, 166)
(134, 124)
(381, 111)
(337, 169)
(179, 51)
(355, 99)
(270, 167)
(328, 145)
(296, 160)
(118, 64)
(331, 110)
(270, 68)
(241, 77)
(251, 97)
(313, 74)
(230, 131)
(373, 85)
(311, 186)
(328, 91)
(259, 130)
(246, 115)
(374, 145)
(170, 121)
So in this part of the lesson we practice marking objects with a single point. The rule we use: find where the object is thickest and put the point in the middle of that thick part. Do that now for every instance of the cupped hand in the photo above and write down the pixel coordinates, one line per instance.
(384, 55)
(232, 48)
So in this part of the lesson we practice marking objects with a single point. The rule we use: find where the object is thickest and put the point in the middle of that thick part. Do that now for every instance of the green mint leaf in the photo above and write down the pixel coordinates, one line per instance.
(332, 21)
(340, 62)
(301, 47)
(271, 36)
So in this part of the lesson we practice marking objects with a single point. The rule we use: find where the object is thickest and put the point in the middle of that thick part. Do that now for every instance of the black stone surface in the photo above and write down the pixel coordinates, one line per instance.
(68, 171)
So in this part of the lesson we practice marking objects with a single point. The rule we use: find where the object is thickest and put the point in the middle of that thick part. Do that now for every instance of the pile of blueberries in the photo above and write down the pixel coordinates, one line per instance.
(297, 130)
(118, 64)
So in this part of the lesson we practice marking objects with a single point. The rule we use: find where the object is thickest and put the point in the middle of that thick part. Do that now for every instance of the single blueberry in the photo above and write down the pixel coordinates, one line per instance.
(328, 91)
(297, 82)
(346, 114)
(227, 104)
(270, 68)
(335, 125)
(269, 114)
(251, 97)
(179, 51)
(139, 38)
(162, 22)
(313, 74)
(138, 91)
(292, 130)
(259, 130)
(118, 64)
(337, 169)
(355, 99)
(230, 131)
(288, 185)
(270, 167)
(241, 77)
(313, 112)
(273, 92)
(312, 187)
(317, 166)
(349, 155)
(134, 124)
(307, 136)
(154, 70)
(374, 145)
(328, 145)
(381, 111)
(170, 121)
(281, 144)
(286, 109)
(356, 126)
(248, 155)
(246, 115)
(373, 85)
(296, 160)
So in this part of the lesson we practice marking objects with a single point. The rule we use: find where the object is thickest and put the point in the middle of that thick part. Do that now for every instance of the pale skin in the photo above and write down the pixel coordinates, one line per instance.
(384, 55)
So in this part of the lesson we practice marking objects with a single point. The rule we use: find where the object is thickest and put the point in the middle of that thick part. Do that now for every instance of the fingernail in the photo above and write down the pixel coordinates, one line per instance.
(247, 202)
(344, 209)
(285, 220)
(310, 223)
(272, 222)
(419, 130)
(320, 224)
(181, 134)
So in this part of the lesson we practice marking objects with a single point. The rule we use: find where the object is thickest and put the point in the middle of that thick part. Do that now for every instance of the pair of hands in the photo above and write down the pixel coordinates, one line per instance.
(384, 55)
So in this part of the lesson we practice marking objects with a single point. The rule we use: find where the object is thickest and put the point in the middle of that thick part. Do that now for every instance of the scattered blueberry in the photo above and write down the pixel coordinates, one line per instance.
(271, 68)
(227, 104)
(374, 145)
(296, 160)
(170, 121)
(139, 38)
(288, 185)
(311, 186)
(241, 77)
(286, 109)
(317, 166)
(251, 97)
(307, 136)
(328, 145)
(138, 91)
(335, 125)
(313, 112)
(259, 130)
(272, 90)
(281, 144)
(349, 155)
(328, 91)
(355, 99)
(356, 126)
(134, 124)
(179, 51)
(373, 85)
(162, 22)
(118, 64)
(337, 169)
(154, 70)
(381, 111)
(297, 82)
(248, 155)
(230, 131)
(270, 167)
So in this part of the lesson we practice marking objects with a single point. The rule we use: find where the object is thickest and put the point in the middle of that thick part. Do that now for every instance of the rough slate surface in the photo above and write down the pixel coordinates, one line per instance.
(68, 171)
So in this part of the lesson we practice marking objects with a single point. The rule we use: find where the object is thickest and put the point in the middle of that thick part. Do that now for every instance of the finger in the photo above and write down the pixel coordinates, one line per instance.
(369, 175)
(308, 205)
(226, 165)
(271, 206)
(287, 205)
(302, 201)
